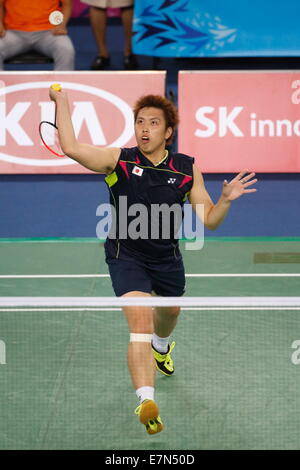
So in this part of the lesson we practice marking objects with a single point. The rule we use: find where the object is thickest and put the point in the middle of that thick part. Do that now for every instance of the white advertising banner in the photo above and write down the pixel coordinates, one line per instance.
(101, 108)
(232, 121)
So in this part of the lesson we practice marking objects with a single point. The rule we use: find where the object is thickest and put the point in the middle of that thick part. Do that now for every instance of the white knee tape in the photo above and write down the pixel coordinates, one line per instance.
(140, 337)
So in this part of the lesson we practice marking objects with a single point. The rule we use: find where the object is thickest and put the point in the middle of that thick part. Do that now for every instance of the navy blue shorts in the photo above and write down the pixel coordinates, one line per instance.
(130, 274)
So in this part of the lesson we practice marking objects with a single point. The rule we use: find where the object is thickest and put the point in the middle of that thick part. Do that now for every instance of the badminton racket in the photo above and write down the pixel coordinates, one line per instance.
(49, 132)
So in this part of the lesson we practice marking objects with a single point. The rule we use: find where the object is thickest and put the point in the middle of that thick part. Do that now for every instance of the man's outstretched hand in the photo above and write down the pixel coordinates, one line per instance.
(239, 185)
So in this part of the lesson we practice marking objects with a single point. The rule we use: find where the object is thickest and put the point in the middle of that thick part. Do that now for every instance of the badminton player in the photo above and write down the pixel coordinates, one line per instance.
(149, 174)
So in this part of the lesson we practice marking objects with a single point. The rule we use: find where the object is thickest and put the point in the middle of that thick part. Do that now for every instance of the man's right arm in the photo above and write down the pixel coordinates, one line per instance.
(2, 29)
(101, 160)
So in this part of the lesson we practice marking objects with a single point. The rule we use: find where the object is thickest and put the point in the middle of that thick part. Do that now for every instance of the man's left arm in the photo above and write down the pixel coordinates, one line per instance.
(66, 9)
(214, 214)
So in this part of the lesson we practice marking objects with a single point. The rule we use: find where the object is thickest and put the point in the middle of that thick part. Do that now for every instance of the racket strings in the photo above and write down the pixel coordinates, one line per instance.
(50, 139)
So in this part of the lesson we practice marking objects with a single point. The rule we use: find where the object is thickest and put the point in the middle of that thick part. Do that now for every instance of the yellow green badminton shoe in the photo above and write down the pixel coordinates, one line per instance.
(148, 413)
(164, 361)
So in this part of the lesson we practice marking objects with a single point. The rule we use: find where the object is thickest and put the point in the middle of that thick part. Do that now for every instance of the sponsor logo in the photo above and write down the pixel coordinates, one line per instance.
(92, 110)
(225, 124)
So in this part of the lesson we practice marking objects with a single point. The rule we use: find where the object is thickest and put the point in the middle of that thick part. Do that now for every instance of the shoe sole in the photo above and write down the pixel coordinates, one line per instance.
(149, 415)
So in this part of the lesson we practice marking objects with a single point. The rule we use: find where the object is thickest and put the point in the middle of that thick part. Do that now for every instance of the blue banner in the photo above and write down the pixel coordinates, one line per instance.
(216, 28)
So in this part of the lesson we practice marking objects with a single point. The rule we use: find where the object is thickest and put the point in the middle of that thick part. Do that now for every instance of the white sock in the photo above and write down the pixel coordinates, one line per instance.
(160, 344)
(144, 393)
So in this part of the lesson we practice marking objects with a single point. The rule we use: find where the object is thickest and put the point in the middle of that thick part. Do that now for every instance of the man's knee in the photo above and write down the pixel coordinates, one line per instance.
(176, 311)
(64, 55)
(10, 45)
(65, 49)
(140, 323)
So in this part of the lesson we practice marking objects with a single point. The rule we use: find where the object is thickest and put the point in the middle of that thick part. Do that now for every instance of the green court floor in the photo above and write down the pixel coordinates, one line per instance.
(65, 385)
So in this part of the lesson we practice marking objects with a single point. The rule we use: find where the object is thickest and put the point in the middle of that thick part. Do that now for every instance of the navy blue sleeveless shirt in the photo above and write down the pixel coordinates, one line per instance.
(147, 201)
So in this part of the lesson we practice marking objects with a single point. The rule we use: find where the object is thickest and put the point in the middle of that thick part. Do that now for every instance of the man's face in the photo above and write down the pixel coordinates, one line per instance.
(150, 130)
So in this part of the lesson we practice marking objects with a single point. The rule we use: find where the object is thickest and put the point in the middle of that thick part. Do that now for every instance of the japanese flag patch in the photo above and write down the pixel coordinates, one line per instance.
(137, 171)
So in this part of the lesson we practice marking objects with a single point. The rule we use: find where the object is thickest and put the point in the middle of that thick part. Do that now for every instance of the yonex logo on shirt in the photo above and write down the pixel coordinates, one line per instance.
(171, 180)
(137, 171)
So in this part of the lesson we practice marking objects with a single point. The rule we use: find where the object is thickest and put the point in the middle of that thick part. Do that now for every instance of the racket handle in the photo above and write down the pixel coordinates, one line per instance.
(56, 87)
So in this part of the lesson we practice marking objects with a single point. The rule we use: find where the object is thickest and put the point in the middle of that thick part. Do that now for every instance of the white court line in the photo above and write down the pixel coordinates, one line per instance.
(82, 276)
(246, 275)
(49, 276)
(97, 302)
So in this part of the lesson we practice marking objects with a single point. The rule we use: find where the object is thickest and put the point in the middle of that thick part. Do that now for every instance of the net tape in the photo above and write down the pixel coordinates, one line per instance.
(151, 301)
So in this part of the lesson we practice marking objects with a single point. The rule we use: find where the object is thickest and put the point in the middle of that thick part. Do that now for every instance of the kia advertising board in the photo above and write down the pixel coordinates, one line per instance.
(241, 120)
(101, 108)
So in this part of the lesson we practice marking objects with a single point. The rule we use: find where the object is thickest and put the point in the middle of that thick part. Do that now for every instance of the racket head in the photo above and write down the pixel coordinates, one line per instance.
(49, 136)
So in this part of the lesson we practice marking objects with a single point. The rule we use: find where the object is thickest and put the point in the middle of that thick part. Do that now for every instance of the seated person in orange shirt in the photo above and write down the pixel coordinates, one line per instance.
(24, 25)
